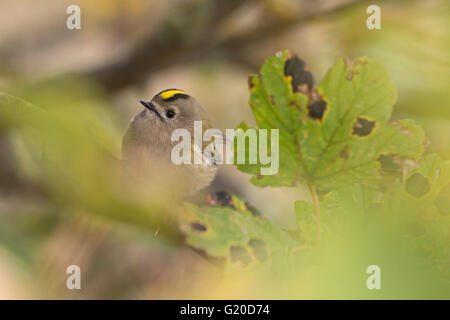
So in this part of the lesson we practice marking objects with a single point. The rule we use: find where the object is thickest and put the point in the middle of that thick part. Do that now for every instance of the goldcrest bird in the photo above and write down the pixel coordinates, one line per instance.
(147, 144)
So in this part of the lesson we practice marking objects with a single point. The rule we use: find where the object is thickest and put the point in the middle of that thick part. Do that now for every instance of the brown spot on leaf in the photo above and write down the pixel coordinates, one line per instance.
(314, 96)
(303, 88)
(250, 82)
(316, 105)
(272, 101)
(351, 74)
(344, 154)
(197, 226)
(240, 255)
(299, 73)
(400, 127)
(351, 66)
(348, 63)
(363, 127)
(317, 110)
(417, 185)
(259, 249)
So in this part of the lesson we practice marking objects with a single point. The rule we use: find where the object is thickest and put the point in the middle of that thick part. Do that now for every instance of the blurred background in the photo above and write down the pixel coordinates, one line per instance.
(127, 51)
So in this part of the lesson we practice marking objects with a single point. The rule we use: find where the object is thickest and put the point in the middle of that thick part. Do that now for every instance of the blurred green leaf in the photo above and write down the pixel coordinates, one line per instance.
(236, 235)
(60, 152)
(14, 111)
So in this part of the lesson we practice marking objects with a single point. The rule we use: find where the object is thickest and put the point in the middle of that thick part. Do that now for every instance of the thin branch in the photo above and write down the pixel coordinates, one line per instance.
(165, 48)
(267, 31)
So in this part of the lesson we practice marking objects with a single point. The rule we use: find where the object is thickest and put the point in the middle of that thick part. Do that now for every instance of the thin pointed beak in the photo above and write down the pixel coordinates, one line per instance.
(150, 106)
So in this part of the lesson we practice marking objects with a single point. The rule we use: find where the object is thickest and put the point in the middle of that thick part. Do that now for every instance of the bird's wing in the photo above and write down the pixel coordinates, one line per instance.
(208, 156)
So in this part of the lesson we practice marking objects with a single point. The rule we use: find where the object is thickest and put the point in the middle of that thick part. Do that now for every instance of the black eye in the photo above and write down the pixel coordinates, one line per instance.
(170, 113)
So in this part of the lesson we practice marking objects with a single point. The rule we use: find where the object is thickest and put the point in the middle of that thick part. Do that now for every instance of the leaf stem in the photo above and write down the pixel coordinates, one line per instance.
(317, 207)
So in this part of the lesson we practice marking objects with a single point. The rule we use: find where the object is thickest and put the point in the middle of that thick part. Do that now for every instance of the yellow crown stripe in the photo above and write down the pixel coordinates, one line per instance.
(170, 93)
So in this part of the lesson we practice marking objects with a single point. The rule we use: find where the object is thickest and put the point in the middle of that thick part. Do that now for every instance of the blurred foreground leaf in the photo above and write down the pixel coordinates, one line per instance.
(411, 212)
(236, 235)
(60, 150)
(341, 210)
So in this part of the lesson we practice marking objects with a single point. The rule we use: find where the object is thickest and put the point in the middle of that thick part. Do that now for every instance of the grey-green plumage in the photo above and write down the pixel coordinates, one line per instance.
(147, 145)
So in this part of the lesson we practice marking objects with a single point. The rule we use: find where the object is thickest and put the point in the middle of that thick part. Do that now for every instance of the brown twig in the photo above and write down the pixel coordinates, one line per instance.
(165, 48)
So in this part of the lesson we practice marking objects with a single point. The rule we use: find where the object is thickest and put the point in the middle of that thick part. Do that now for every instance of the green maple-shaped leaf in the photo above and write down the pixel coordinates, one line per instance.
(330, 136)
(233, 233)
(333, 134)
